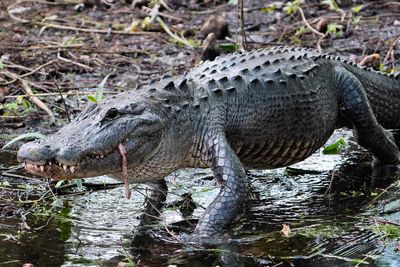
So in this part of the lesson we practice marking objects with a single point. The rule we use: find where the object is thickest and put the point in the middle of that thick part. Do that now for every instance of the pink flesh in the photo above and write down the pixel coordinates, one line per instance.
(124, 166)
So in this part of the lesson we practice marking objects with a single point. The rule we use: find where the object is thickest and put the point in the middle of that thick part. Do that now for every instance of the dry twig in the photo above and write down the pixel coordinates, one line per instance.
(322, 36)
(392, 48)
(161, 14)
(173, 35)
(63, 100)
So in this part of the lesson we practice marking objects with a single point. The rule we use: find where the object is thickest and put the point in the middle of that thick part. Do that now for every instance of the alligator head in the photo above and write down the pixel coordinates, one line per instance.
(88, 146)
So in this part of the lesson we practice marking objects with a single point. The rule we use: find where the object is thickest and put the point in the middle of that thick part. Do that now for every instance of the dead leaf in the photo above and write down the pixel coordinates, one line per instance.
(210, 49)
(216, 24)
(322, 25)
(371, 60)
(4, 91)
(286, 230)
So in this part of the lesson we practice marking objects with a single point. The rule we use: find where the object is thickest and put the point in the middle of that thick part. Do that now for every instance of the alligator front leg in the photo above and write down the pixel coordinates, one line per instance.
(154, 203)
(230, 174)
(143, 237)
(370, 134)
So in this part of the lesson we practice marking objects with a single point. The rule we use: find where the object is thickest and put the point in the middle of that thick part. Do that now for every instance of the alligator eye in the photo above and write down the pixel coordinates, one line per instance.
(111, 114)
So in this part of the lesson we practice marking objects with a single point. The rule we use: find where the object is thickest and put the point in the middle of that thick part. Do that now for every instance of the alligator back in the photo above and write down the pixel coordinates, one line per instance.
(282, 104)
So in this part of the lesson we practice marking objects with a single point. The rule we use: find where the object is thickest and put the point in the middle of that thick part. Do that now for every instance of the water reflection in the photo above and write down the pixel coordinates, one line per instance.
(330, 211)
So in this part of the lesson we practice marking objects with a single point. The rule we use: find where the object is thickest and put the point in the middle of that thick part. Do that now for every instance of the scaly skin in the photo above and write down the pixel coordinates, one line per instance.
(261, 109)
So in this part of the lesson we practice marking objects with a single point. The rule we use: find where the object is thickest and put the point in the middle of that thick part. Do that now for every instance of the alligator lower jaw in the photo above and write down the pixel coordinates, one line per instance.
(53, 171)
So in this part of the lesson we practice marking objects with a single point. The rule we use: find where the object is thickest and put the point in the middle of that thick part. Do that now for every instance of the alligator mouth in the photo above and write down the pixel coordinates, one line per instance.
(56, 170)
(63, 171)
(59, 165)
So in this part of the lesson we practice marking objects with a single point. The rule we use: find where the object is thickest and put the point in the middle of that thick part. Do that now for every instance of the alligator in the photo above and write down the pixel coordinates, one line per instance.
(263, 109)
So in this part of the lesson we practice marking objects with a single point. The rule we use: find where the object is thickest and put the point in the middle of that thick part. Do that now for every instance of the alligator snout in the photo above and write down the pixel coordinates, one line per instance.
(36, 152)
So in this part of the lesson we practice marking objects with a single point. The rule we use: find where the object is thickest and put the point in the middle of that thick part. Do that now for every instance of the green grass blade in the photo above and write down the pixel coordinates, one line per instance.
(100, 89)
(25, 136)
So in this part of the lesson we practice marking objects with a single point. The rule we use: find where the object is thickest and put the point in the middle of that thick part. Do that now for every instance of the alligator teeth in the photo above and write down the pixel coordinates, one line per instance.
(72, 168)
(102, 156)
(59, 164)
(65, 168)
(97, 157)
(42, 168)
(50, 163)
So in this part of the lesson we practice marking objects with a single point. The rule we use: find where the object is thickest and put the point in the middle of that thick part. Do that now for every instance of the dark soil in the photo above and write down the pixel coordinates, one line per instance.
(76, 46)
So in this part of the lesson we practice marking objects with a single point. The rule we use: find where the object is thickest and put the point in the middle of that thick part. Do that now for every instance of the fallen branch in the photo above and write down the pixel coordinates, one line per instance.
(31, 72)
(86, 67)
(173, 35)
(27, 89)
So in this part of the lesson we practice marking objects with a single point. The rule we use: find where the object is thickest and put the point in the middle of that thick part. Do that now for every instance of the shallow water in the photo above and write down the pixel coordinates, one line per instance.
(333, 209)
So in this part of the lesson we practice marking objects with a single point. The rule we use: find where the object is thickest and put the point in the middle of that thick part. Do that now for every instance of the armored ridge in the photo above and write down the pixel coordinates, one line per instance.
(261, 109)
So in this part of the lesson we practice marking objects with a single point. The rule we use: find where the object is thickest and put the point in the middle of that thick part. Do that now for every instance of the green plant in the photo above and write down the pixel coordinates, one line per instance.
(357, 9)
(335, 148)
(100, 91)
(332, 4)
(300, 31)
(229, 47)
(335, 29)
(356, 19)
(74, 40)
(390, 230)
(20, 106)
(292, 6)
(268, 9)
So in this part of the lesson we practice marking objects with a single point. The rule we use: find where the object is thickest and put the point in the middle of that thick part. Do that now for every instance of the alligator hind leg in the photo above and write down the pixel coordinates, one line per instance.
(370, 134)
